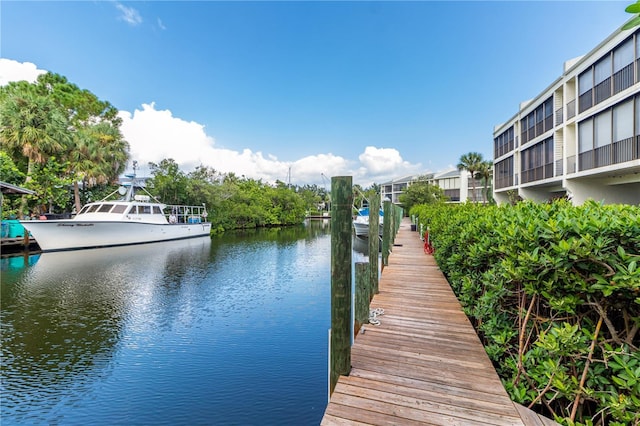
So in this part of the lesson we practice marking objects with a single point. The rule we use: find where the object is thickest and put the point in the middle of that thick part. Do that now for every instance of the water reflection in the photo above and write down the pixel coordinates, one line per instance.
(229, 330)
(63, 317)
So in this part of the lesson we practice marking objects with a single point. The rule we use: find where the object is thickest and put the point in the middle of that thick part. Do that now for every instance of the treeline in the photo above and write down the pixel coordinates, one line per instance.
(235, 202)
(232, 202)
(554, 293)
(66, 145)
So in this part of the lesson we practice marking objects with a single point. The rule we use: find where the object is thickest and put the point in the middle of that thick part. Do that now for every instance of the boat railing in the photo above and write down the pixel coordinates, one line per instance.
(186, 214)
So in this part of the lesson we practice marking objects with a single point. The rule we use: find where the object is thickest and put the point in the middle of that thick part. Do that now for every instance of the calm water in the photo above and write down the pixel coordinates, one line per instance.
(225, 331)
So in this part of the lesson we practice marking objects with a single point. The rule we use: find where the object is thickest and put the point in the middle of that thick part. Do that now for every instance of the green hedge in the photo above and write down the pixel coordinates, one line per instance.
(554, 293)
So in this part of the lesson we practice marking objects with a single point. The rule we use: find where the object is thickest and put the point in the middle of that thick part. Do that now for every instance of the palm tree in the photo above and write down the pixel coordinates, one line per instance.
(100, 155)
(485, 173)
(33, 126)
(471, 163)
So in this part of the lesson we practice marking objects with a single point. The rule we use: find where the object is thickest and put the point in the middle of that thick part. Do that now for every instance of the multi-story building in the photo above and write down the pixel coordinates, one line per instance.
(392, 189)
(580, 137)
(456, 184)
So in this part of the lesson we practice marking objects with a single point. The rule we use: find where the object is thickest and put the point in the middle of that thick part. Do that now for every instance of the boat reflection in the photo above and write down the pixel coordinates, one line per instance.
(64, 313)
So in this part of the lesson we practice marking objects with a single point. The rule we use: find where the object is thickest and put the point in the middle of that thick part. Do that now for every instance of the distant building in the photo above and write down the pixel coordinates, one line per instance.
(456, 185)
(580, 137)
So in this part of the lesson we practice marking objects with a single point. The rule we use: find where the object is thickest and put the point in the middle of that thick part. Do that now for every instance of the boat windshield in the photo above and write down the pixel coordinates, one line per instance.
(119, 208)
(92, 208)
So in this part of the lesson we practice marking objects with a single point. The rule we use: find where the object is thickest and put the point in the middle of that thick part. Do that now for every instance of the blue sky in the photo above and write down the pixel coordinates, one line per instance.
(269, 90)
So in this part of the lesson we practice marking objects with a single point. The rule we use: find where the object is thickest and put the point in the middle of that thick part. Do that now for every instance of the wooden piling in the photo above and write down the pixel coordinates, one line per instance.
(341, 246)
(362, 296)
(386, 233)
(374, 244)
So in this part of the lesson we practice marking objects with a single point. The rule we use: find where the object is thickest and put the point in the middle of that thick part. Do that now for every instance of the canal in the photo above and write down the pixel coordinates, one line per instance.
(229, 330)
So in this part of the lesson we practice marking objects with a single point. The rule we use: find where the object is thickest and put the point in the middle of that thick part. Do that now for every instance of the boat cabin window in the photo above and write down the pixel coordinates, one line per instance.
(156, 210)
(84, 210)
(105, 208)
(144, 209)
(119, 208)
(92, 208)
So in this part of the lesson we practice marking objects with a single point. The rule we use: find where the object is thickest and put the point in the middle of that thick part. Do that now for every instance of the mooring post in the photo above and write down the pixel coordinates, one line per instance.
(374, 244)
(386, 232)
(341, 223)
(362, 296)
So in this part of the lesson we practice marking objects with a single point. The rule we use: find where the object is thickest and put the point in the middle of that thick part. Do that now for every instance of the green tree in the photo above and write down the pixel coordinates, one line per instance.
(80, 105)
(100, 155)
(100, 152)
(10, 173)
(311, 196)
(421, 192)
(169, 183)
(202, 184)
(471, 162)
(51, 184)
(485, 173)
(31, 125)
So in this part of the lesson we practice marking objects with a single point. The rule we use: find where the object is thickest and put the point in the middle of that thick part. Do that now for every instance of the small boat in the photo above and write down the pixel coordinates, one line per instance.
(132, 219)
(361, 223)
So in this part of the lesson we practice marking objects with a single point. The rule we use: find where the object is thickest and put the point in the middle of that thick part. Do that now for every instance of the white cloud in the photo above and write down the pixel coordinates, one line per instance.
(384, 164)
(130, 15)
(154, 135)
(11, 70)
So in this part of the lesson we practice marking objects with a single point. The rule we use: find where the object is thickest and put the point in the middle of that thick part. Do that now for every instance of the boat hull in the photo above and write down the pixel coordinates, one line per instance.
(56, 235)
(362, 229)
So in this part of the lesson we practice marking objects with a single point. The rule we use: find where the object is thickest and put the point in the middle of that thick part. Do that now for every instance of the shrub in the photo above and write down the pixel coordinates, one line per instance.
(554, 293)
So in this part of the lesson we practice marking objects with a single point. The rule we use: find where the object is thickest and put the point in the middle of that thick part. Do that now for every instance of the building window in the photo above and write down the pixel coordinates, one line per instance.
(585, 90)
(602, 79)
(504, 173)
(585, 144)
(523, 130)
(539, 120)
(608, 138)
(602, 129)
(548, 114)
(504, 143)
(623, 66)
(622, 149)
(537, 161)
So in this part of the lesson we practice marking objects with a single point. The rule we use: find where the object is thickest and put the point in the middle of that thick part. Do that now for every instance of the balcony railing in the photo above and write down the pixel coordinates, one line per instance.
(603, 90)
(544, 171)
(548, 123)
(452, 194)
(559, 171)
(501, 150)
(559, 116)
(571, 109)
(585, 101)
(504, 182)
(623, 79)
(571, 164)
(615, 153)
(585, 160)
(548, 170)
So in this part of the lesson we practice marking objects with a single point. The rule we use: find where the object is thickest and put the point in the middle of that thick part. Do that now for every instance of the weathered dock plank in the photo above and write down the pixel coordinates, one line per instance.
(424, 364)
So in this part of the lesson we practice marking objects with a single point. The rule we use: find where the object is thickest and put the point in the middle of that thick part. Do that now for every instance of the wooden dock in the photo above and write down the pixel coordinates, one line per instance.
(17, 246)
(424, 364)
